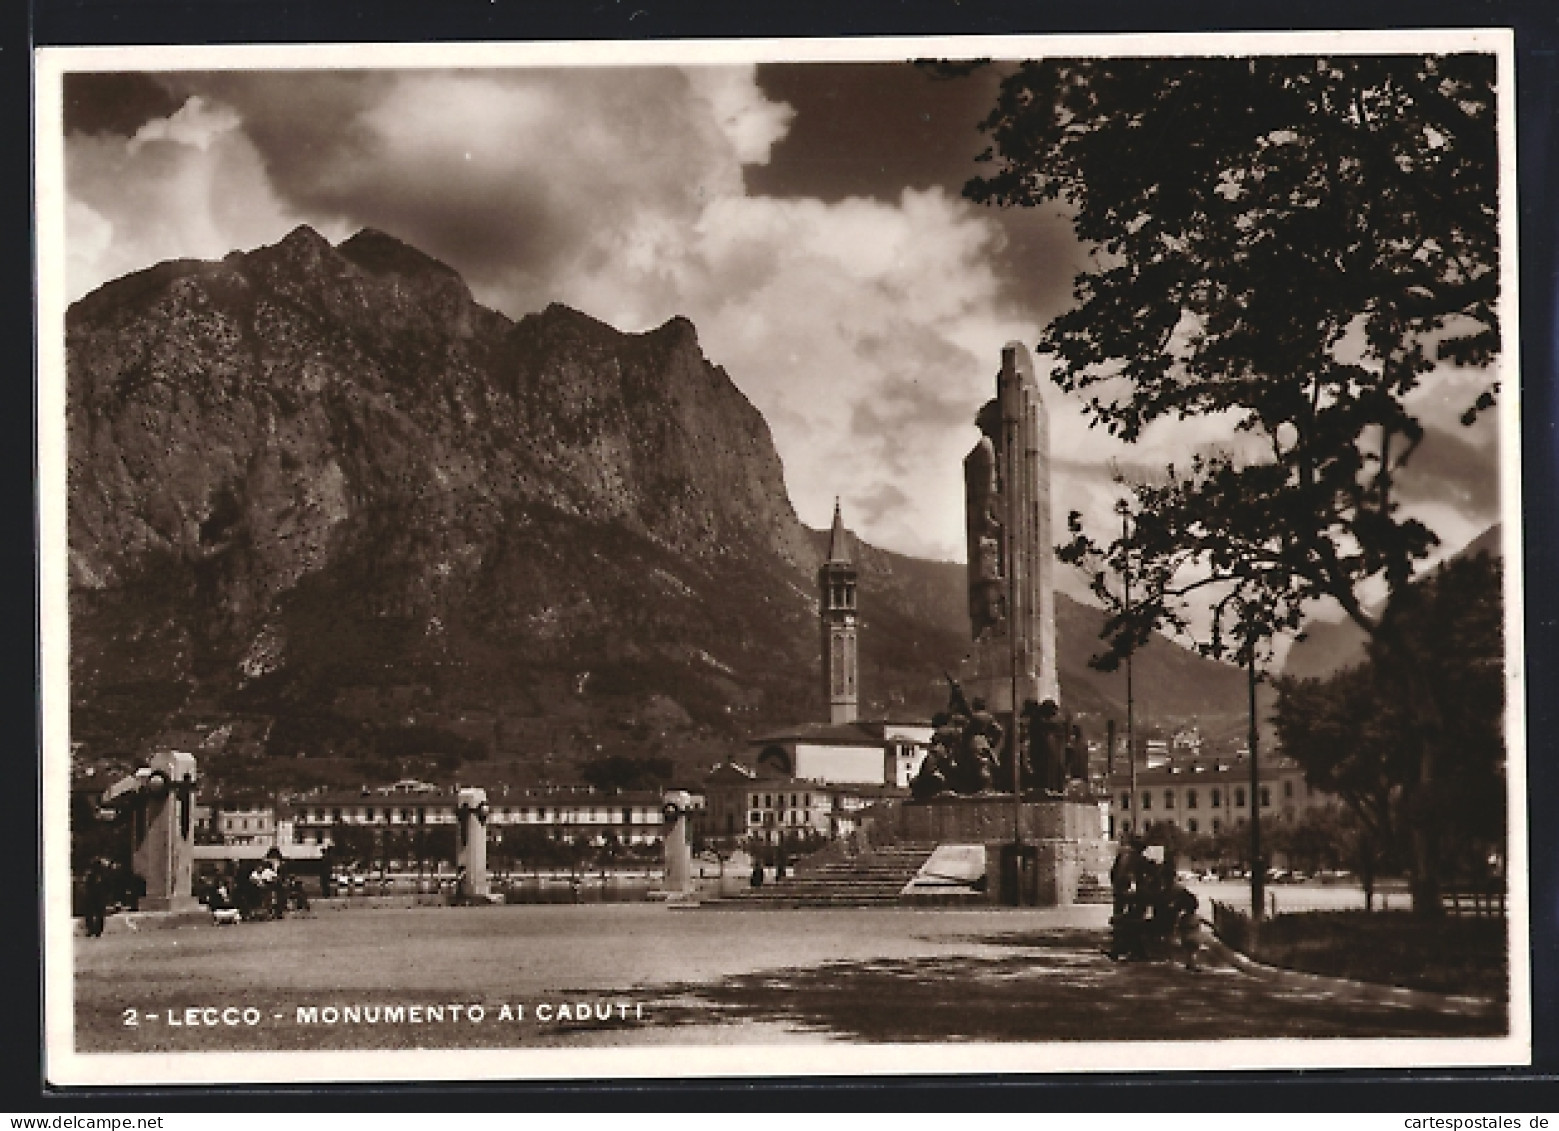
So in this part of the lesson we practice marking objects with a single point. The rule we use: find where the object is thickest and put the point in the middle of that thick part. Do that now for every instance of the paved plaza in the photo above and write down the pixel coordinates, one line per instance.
(624, 974)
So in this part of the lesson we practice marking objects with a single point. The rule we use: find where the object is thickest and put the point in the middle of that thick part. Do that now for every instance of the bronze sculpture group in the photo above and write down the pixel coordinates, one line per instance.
(971, 752)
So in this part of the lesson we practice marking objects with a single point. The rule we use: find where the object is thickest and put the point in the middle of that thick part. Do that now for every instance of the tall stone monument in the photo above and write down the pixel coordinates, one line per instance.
(1039, 847)
(1012, 611)
(161, 799)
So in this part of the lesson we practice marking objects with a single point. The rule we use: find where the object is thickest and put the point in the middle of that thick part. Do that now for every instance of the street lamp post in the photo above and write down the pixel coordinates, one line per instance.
(1010, 491)
(1131, 745)
(1258, 871)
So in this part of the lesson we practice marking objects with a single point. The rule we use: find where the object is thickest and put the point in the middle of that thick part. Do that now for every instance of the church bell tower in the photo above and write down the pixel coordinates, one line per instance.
(836, 585)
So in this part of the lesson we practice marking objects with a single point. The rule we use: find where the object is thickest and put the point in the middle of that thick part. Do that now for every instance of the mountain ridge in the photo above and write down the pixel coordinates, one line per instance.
(1328, 646)
(323, 488)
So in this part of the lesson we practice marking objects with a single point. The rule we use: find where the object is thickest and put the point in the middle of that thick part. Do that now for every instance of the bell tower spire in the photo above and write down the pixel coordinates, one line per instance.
(836, 606)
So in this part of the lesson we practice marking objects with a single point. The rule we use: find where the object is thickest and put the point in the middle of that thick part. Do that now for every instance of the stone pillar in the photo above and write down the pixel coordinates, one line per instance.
(161, 799)
(678, 854)
(471, 812)
(1011, 545)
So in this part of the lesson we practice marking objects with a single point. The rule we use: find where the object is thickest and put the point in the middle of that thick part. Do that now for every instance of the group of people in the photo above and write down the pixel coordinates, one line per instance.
(968, 755)
(1155, 916)
(264, 892)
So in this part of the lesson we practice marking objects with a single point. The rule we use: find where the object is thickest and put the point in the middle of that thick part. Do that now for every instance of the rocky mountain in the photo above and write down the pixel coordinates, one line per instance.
(324, 503)
(1328, 646)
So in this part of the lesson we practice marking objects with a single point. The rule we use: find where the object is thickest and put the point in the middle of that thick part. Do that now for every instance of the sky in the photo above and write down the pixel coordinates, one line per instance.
(807, 218)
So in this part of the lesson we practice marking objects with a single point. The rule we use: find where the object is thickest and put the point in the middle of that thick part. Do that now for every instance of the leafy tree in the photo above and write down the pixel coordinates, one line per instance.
(1231, 845)
(1321, 838)
(1348, 745)
(439, 843)
(1412, 739)
(354, 844)
(1287, 244)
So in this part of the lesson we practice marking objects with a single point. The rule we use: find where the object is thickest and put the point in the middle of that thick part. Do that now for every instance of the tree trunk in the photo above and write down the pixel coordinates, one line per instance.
(1426, 862)
(1408, 671)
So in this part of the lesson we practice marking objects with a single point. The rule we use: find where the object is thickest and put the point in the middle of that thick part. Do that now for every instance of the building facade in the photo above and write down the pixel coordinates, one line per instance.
(254, 825)
(862, 753)
(761, 804)
(582, 816)
(1207, 796)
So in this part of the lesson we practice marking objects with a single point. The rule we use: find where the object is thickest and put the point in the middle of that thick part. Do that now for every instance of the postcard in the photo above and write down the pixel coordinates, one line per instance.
(882, 556)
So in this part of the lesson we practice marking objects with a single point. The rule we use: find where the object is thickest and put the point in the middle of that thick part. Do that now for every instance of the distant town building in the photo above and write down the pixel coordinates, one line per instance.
(254, 825)
(1208, 795)
(764, 804)
(865, 752)
(581, 816)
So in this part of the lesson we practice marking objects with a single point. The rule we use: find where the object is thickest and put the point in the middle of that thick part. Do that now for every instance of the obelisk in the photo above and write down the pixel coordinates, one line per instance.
(1012, 610)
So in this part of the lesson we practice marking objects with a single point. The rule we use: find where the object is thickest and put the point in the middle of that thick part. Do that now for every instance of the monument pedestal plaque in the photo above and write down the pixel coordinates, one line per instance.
(1056, 842)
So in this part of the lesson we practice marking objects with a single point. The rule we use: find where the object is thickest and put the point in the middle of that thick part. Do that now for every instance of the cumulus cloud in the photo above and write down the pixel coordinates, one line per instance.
(190, 185)
(866, 328)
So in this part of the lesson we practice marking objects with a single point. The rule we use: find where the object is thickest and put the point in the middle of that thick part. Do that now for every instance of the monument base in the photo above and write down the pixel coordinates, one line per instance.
(1036, 850)
(176, 904)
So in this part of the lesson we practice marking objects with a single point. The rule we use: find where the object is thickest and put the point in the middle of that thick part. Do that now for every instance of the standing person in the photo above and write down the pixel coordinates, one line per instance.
(1187, 925)
(259, 892)
(1167, 895)
(95, 893)
(1126, 921)
(277, 888)
(1123, 872)
(1149, 899)
(295, 893)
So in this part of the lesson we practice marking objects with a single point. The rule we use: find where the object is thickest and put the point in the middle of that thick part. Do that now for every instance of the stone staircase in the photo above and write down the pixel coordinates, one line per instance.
(868, 880)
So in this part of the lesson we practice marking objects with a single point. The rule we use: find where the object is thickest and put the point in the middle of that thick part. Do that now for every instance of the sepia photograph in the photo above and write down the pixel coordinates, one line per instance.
(781, 557)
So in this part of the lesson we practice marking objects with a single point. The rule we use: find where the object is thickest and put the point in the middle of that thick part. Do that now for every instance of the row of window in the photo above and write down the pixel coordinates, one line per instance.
(1191, 826)
(230, 824)
(368, 815)
(777, 801)
(793, 817)
(320, 836)
(1215, 798)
